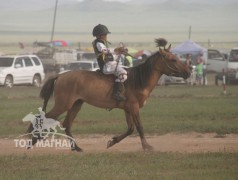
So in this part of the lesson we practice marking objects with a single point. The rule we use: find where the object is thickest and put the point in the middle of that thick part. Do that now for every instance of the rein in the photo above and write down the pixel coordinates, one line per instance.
(117, 60)
(172, 69)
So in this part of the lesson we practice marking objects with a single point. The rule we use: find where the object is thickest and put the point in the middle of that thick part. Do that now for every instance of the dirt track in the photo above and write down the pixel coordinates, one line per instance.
(184, 143)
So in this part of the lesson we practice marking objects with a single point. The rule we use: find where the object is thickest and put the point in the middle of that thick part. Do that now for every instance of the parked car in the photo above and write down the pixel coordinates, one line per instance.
(172, 80)
(81, 65)
(216, 61)
(169, 80)
(231, 69)
(85, 55)
(21, 69)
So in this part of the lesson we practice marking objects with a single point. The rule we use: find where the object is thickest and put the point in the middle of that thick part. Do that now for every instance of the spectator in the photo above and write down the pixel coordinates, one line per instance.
(128, 59)
(202, 60)
(188, 61)
(199, 71)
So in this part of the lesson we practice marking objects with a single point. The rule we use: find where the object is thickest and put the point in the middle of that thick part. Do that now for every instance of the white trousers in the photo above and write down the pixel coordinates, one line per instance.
(111, 67)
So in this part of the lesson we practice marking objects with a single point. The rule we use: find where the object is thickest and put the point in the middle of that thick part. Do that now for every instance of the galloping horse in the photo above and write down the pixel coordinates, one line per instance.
(72, 89)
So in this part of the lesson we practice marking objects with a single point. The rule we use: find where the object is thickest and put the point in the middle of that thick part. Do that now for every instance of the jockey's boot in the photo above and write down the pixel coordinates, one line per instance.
(118, 91)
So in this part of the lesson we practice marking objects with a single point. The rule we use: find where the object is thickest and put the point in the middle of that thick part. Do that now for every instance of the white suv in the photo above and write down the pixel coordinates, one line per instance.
(21, 69)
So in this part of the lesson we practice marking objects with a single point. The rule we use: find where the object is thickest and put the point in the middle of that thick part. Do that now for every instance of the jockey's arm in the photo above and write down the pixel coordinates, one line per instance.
(102, 48)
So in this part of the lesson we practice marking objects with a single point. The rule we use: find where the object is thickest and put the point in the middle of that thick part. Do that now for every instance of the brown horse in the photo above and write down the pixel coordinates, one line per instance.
(72, 89)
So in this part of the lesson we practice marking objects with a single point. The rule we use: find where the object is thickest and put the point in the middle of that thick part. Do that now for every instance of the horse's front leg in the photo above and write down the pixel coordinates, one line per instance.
(129, 131)
(139, 127)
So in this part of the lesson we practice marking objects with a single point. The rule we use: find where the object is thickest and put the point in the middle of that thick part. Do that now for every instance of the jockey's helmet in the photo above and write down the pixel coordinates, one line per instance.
(100, 30)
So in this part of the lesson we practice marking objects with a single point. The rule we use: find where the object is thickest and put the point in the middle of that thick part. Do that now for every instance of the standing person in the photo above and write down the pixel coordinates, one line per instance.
(188, 61)
(202, 60)
(199, 71)
(128, 59)
(106, 61)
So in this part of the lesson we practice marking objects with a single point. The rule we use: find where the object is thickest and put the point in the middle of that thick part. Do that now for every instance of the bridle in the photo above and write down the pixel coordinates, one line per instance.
(171, 68)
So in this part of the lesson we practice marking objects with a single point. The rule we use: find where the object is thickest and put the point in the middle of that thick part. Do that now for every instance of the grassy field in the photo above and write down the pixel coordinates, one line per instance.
(169, 109)
(121, 166)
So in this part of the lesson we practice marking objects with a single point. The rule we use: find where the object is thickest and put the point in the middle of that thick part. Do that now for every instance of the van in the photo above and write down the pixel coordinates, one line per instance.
(21, 69)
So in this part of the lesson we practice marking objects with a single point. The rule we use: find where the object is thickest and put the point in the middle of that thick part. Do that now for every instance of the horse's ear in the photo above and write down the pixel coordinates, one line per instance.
(161, 50)
(168, 49)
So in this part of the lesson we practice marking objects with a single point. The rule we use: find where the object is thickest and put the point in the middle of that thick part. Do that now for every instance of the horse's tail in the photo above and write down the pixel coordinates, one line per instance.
(47, 90)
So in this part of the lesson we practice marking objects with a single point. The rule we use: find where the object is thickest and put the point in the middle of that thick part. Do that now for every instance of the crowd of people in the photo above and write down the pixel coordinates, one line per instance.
(198, 75)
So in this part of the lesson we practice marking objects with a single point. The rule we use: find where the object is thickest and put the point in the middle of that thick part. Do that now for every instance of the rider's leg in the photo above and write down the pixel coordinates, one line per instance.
(112, 67)
(119, 89)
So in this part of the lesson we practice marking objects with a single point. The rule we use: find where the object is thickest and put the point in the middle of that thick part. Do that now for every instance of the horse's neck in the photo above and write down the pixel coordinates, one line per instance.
(155, 76)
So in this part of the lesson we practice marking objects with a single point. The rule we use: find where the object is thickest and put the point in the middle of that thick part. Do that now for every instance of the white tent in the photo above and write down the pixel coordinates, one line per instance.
(188, 47)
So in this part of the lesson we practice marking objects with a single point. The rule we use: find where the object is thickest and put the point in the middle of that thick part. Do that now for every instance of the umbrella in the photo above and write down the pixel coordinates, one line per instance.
(60, 43)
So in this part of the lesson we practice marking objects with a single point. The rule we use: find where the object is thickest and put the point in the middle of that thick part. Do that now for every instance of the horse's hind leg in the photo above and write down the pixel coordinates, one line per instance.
(56, 111)
(34, 139)
(71, 114)
(129, 131)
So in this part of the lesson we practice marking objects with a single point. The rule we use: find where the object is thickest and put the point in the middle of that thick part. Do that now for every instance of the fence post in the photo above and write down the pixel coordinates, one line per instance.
(224, 81)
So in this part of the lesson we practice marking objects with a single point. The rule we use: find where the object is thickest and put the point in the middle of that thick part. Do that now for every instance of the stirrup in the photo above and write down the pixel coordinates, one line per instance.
(119, 97)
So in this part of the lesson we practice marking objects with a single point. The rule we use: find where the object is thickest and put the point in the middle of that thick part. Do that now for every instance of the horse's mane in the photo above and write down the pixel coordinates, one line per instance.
(139, 75)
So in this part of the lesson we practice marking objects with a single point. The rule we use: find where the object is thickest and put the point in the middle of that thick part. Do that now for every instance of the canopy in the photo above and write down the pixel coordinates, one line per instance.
(52, 43)
(188, 47)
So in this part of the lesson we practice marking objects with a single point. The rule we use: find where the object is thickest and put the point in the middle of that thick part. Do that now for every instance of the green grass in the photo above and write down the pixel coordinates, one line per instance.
(169, 109)
(121, 166)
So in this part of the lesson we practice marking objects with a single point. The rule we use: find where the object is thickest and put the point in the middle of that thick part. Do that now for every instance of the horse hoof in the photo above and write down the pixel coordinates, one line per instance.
(29, 147)
(148, 148)
(77, 149)
(110, 143)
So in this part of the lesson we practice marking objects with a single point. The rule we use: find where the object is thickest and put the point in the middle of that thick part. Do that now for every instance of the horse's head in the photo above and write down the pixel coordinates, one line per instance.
(171, 65)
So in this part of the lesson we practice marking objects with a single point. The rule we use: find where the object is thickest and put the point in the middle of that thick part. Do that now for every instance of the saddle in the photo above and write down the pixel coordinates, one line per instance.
(118, 88)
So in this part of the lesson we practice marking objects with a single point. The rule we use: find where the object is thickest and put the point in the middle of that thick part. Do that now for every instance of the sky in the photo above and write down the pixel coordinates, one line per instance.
(2, 2)
(210, 19)
(186, 1)
(24, 4)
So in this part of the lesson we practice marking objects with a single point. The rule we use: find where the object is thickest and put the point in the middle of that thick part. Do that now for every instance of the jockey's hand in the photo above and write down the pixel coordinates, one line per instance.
(119, 50)
(105, 51)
